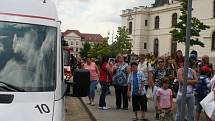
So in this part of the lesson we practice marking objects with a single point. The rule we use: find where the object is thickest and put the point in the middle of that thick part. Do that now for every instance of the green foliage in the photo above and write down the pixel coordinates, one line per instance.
(100, 49)
(179, 32)
(123, 44)
(85, 50)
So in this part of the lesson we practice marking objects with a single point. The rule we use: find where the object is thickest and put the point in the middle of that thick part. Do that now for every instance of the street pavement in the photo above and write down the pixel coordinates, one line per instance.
(114, 114)
(75, 110)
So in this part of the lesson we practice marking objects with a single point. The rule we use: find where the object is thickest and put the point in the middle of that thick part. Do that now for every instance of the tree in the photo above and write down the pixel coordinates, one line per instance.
(123, 44)
(179, 32)
(84, 53)
(100, 49)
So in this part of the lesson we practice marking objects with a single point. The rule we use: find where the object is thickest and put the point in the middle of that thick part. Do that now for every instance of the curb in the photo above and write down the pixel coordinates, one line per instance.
(92, 117)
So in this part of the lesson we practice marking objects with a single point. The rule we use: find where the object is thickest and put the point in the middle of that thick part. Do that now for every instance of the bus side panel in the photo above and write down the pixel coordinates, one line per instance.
(59, 110)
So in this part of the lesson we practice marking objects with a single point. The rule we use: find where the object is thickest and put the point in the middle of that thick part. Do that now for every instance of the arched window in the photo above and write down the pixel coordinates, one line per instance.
(173, 48)
(213, 41)
(130, 27)
(156, 47)
(174, 19)
(214, 8)
(157, 21)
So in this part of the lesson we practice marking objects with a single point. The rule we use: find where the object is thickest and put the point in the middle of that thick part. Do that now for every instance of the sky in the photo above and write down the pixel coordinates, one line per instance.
(94, 16)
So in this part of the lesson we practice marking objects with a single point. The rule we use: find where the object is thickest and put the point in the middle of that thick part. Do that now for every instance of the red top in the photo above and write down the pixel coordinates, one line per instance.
(104, 76)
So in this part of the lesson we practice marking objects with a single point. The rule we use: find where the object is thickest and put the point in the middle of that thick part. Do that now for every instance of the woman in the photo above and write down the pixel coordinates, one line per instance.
(191, 81)
(94, 72)
(179, 59)
(120, 82)
(105, 80)
(159, 73)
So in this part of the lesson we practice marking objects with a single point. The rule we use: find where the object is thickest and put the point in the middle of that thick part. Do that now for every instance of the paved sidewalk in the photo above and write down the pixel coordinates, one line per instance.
(114, 114)
(75, 110)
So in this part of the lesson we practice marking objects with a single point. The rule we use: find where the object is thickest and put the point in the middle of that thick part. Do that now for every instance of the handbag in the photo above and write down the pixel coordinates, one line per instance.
(120, 77)
(208, 104)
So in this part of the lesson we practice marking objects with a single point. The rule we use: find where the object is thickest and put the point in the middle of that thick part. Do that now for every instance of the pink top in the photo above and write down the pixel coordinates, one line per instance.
(92, 69)
(165, 96)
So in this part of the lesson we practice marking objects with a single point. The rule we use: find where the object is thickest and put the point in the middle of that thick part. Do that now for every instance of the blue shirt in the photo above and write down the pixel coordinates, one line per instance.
(135, 84)
(140, 78)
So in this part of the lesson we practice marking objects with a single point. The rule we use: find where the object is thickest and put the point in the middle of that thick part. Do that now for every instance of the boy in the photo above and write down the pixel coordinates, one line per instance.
(202, 88)
(136, 80)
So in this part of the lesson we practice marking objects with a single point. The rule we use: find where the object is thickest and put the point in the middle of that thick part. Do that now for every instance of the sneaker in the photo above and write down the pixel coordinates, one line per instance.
(92, 103)
(105, 108)
(100, 107)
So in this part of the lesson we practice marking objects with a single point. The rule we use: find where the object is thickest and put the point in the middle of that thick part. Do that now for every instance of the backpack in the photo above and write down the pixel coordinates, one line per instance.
(201, 87)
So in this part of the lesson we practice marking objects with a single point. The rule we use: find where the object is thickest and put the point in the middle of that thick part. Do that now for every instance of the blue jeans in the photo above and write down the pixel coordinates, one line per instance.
(190, 106)
(104, 89)
(93, 84)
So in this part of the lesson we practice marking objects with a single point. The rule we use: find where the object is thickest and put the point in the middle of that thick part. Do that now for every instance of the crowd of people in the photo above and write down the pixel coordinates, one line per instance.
(163, 76)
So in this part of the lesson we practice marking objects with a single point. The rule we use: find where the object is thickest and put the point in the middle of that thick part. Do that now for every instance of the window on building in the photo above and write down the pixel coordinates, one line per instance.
(174, 19)
(76, 42)
(146, 22)
(71, 42)
(145, 45)
(213, 41)
(173, 48)
(157, 21)
(214, 8)
(156, 47)
(76, 49)
(130, 28)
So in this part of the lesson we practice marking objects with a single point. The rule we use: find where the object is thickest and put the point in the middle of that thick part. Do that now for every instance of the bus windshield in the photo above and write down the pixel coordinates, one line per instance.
(28, 56)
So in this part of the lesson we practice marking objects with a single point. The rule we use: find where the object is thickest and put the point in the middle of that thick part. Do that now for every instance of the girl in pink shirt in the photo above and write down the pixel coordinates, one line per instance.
(164, 101)
(94, 74)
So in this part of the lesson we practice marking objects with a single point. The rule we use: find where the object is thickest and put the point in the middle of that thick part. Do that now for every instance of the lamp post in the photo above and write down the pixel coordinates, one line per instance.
(188, 31)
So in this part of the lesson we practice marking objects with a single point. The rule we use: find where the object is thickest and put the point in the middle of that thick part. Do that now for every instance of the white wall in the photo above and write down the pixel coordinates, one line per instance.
(203, 9)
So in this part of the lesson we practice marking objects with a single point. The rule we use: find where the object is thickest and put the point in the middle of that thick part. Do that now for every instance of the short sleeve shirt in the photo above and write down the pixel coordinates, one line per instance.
(165, 96)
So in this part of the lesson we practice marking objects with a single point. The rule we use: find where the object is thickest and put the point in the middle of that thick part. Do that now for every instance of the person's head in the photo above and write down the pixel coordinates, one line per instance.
(134, 66)
(148, 56)
(120, 58)
(142, 58)
(179, 54)
(205, 70)
(88, 60)
(165, 82)
(161, 62)
(104, 59)
(205, 59)
(194, 52)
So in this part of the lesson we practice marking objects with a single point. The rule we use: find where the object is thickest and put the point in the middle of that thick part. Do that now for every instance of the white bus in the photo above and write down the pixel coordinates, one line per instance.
(31, 71)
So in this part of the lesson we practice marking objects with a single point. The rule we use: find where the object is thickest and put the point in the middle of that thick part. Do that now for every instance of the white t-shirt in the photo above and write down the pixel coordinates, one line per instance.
(145, 68)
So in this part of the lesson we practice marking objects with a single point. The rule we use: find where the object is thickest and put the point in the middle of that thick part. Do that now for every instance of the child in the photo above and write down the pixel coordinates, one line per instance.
(164, 101)
(202, 88)
(136, 80)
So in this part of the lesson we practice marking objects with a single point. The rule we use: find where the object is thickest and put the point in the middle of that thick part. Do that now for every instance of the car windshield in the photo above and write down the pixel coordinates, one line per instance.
(28, 56)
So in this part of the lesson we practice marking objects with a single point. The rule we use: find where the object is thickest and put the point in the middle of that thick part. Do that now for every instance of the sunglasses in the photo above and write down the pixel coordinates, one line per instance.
(160, 61)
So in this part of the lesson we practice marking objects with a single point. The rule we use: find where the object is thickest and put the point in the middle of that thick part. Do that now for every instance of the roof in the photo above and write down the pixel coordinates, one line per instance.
(85, 36)
(91, 37)
(70, 31)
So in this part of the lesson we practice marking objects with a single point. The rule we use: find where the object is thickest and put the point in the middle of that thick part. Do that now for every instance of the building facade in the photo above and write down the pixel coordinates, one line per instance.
(75, 40)
(149, 27)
